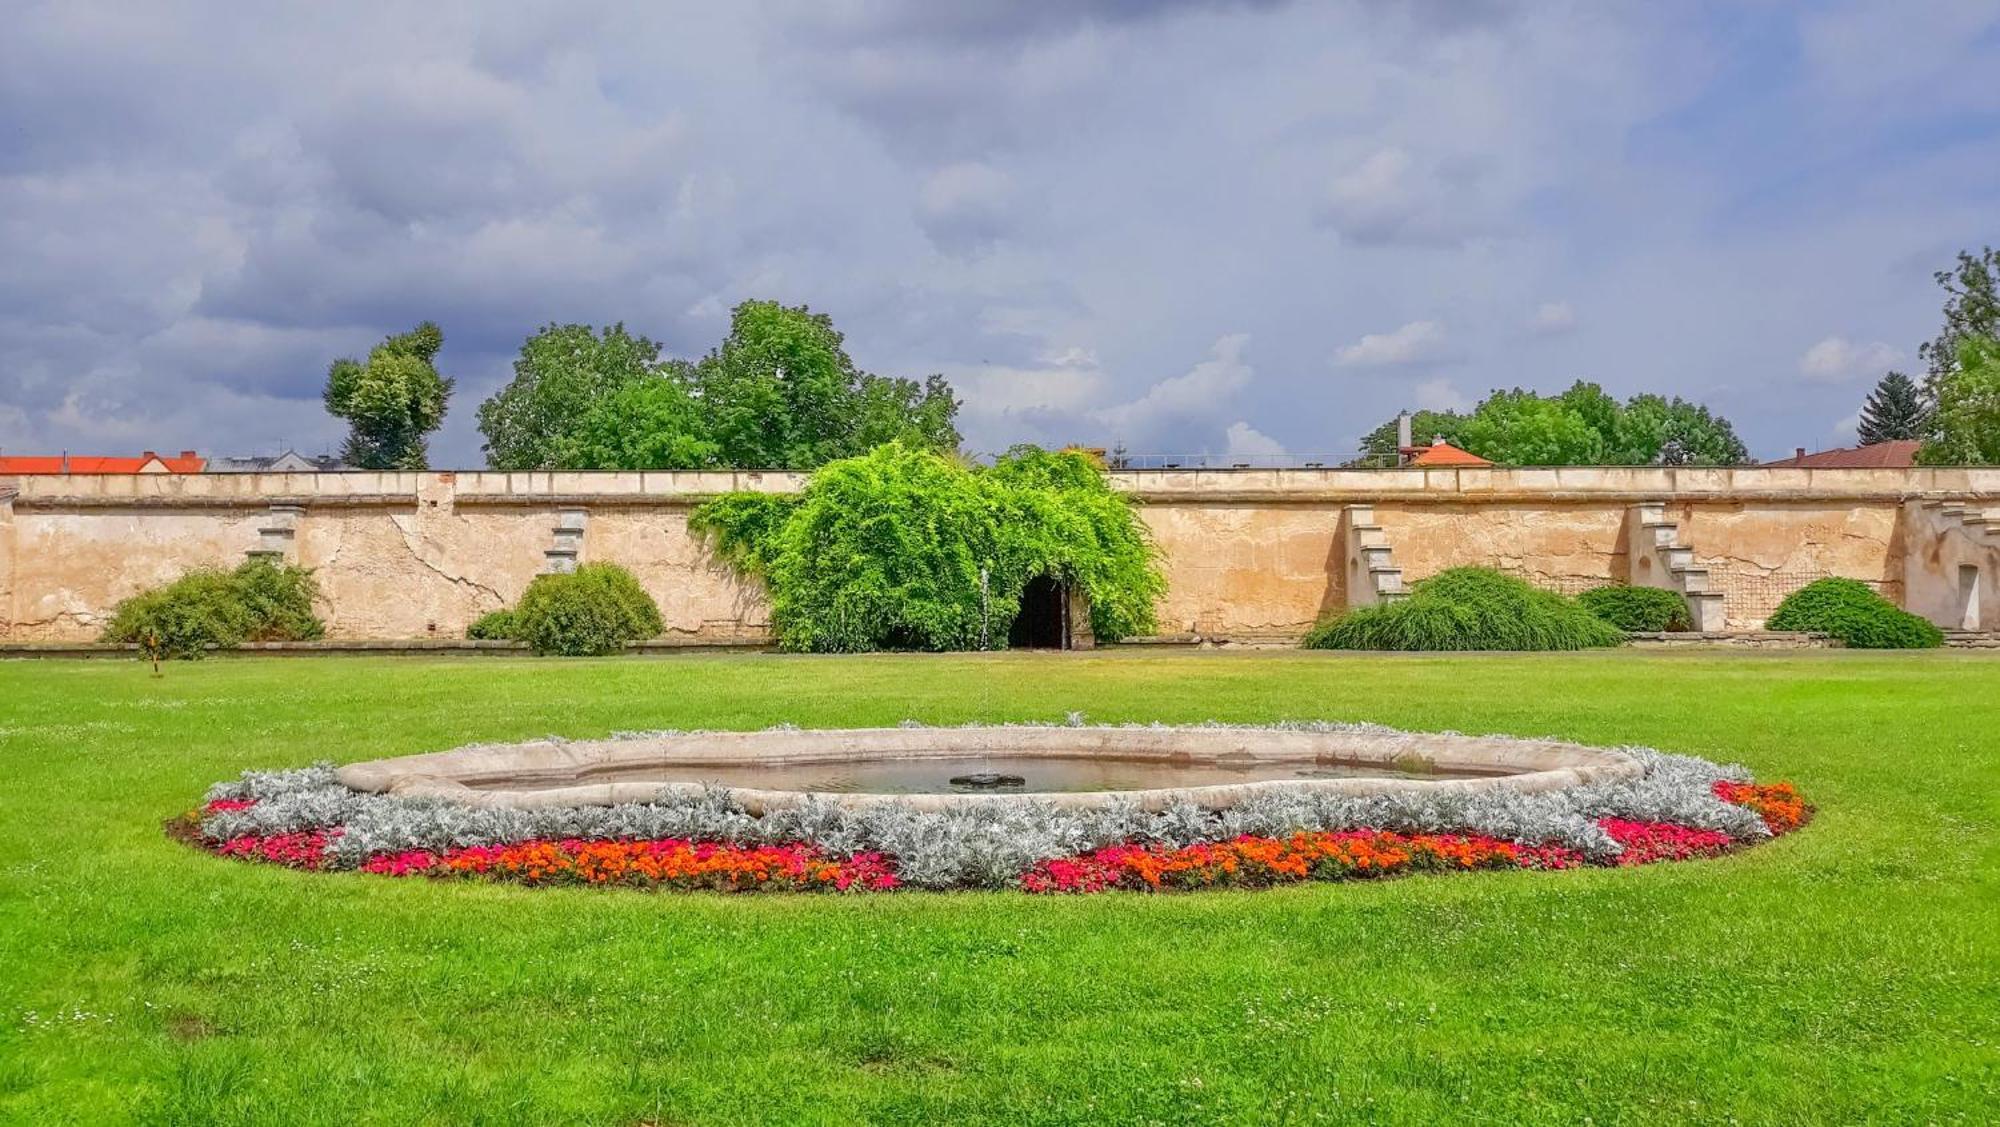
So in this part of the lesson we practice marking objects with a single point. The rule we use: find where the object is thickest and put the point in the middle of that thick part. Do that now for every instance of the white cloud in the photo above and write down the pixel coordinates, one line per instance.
(1552, 317)
(1199, 391)
(1837, 360)
(1440, 395)
(1246, 441)
(1418, 340)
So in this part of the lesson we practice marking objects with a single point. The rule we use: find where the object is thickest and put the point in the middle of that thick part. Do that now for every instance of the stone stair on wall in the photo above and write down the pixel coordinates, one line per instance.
(1975, 519)
(1659, 559)
(568, 548)
(277, 537)
(1372, 574)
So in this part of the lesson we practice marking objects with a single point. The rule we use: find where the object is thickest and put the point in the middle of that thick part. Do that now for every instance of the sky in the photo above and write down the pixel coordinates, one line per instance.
(1227, 228)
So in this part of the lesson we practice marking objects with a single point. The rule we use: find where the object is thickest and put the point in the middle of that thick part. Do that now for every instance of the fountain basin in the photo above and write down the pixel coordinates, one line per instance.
(1213, 767)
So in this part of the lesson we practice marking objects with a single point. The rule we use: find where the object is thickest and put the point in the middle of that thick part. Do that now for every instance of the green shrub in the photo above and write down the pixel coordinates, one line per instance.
(1467, 608)
(591, 611)
(494, 626)
(1848, 610)
(260, 601)
(910, 549)
(1648, 609)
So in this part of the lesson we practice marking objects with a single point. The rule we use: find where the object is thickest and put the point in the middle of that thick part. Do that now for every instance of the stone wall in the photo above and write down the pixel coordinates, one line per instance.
(1249, 554)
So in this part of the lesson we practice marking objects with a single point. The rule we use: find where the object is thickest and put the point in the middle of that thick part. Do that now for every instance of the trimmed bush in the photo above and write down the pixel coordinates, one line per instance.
(1467, 608)
(494, 626)
(1647, 609)
(1848, 610)
(260, 601)
(589, 612)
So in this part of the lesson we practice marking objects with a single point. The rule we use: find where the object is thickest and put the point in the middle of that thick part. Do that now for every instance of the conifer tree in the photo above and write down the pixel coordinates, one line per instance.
(1895, 409)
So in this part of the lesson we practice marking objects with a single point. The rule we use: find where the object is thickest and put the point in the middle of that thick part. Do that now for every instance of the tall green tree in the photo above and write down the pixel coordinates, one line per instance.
(1651, 430)
(1581, 426)
(780, 392)
(1966, 430)
(392, 401)
(1971, 309)
(650, 424)
(1524, 429)
(563, 375)
(1894, 410)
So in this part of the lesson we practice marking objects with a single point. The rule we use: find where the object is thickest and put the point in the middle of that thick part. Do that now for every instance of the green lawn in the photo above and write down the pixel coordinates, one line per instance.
(1849, 972)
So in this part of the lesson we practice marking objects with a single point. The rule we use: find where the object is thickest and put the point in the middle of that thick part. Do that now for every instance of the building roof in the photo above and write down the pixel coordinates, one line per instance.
(1899, 454)
(1442, 453)
(291, 461)
(185, 462)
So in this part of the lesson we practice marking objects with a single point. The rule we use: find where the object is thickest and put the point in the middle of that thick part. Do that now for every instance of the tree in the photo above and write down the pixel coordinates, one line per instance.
(1524, 429)
(1966, 429)
(1581, 426)
(1378, 447)
(1894, 410)
(780, 392)
(561, 378)
(650, 424)
(1654, 431)
(392, 401)
(1971, 309)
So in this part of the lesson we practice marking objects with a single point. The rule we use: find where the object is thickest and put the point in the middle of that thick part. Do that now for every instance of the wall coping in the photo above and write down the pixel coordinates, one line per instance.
(1277, 486)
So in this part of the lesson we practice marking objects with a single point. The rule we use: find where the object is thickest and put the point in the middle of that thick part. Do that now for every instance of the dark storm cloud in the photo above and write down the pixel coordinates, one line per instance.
(1162, 223)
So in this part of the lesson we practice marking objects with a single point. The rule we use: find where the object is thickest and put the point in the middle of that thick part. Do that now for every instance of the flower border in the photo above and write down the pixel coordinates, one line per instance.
(1680, 808)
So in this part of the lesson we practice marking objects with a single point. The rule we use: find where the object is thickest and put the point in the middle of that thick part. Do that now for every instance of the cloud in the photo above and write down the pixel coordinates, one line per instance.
(1246, 441)
(1440, 395)
(1196, 393)
(1414, 342)
(1837, 360)
(966, 206)
(1552, 318)
(198, 214)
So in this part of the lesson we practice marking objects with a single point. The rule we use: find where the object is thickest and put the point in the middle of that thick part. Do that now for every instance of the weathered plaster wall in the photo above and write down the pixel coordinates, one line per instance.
(1757, 552)
(1561, 546)
(1951, 568)
(1248, 553)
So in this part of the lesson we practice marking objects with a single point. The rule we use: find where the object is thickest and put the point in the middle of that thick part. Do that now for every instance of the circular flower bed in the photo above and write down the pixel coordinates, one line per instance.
(1677, 808)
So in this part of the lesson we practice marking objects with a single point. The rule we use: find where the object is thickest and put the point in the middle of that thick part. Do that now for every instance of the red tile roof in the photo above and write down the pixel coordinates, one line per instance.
(186, 462)
(1900, 454)
(1442, 453)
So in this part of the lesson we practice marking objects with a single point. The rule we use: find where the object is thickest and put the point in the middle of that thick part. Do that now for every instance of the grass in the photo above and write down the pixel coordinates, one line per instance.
(1849, 972)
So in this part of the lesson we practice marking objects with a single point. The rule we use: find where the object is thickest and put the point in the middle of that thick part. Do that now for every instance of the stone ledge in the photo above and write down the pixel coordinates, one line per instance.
(1741, 639)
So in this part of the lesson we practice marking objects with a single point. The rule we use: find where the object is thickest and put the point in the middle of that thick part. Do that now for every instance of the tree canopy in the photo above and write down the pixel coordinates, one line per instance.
(392, 401)
(1894, 410)
(1581, 426)
(1971, 309)
(779, 392)
(1966, 427)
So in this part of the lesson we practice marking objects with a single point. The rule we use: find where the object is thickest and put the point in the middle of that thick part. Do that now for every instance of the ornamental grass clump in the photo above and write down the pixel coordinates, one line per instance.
(589, 612)
(208, 608)
(1848, 610)
(1649, 610)
(910, 549)
(1468, 608)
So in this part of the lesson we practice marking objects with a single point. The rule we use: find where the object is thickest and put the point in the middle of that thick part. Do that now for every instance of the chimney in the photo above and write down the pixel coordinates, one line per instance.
(187, 453)
(1403, 431)
(1799, 455)
(148, 456)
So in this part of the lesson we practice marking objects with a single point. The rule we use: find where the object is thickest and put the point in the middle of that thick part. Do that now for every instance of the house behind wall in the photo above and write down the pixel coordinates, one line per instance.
(1248, 554)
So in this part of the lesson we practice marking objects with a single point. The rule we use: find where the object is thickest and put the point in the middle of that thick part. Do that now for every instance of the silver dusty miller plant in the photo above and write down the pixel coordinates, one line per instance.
(986, 846)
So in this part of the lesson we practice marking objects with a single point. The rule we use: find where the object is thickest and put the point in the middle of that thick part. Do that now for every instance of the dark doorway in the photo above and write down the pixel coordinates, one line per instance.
(1043, 622)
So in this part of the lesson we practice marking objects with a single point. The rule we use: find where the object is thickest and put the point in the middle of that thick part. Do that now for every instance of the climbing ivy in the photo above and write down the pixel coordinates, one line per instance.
(903, 548)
